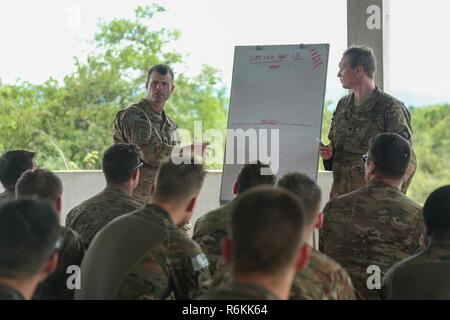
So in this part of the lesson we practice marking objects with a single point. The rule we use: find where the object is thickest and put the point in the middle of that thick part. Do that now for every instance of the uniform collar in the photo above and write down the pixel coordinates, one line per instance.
(152, 113)
(369, 103)
(12, 293)
(254, 288)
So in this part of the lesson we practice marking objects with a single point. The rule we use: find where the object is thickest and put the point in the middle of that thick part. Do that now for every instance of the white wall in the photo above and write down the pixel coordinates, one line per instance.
(81, 185)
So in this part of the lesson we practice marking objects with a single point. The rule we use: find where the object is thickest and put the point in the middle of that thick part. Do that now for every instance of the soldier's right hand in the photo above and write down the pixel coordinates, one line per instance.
(326, 152)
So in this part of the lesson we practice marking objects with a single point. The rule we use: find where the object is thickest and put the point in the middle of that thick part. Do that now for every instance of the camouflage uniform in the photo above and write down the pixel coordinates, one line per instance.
(8, 293)
(8, 194)
(153, 133)
(70, 254)
(175, 266)
(93, 214)
(239, 291)
(437, 252)
(322, 279)
(351, 129)
(374, 225)
(209, 231)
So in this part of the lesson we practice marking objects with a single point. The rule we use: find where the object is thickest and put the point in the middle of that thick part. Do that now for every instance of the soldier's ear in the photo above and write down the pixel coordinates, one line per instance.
(173, 88)
(235, 188)
(226, 248)
(302, 257)
(319, 221)
(49, 266)
(191, 204)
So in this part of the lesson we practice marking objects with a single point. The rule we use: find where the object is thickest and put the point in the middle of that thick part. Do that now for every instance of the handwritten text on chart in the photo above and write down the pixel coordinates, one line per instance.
(276, 58)
(315, 57)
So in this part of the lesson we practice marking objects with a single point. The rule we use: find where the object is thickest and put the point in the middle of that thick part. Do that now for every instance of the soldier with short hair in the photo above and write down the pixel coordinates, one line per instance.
(211, 228)
(358, 117)
(377, 224)
(47, 186)
(266, 246)
(121, 167)
(323, 278)
(29, 233)
(147, 125)
(12, 164)
(425, 275)
(175, 267)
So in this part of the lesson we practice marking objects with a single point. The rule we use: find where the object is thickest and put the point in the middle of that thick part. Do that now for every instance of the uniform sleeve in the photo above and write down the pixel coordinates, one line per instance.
(192, 277)
(138, 131)
(398, 119)
(344, 285)
(208, 238)
(326, 223)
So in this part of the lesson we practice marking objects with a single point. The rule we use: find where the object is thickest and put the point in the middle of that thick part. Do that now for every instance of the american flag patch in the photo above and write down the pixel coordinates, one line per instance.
(199, 262)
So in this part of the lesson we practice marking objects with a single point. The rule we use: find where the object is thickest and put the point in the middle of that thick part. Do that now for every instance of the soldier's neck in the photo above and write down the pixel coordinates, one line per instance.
(175, 211)
(280, 286)
(24, 287)
(363, 91)
(395, 183)
(155, 107)
(127, 187)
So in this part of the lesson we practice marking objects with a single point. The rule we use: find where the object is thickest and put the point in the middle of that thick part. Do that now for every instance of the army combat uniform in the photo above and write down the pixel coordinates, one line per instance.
(436, 253)
(351, 129)
(209, 231)
(322, 279)
(71, 254)
(92, 215)
(375, 225)
(155, 134)
(177, 265)
(8, 293)
(239, 291)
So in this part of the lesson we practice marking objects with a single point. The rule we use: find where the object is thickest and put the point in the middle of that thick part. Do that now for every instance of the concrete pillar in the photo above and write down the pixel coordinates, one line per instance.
(368, 24)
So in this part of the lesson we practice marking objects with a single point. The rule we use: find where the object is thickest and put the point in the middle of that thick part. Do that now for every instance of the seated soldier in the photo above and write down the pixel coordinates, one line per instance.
(120, 166)
(426, 274)
(46, 185)
(29, 233)
(322, 278)
(376, 225)
(264, 250)
(177, 265)
(12, 164)
(211, 228)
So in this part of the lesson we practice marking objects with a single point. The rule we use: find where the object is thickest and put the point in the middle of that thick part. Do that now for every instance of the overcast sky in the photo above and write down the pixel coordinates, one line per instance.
(39, 40)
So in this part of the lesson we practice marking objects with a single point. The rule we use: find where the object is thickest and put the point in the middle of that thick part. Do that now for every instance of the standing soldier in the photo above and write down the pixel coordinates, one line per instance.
(147, 125)
(360, 116)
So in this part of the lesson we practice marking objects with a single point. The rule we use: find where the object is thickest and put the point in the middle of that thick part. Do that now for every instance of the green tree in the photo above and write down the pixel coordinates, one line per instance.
(70, 124)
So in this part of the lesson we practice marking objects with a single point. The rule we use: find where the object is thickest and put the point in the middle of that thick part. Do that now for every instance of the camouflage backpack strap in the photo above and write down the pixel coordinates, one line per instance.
(113, 253)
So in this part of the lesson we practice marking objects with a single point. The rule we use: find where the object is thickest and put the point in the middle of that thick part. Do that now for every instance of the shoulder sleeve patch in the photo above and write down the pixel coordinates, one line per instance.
(199, 262)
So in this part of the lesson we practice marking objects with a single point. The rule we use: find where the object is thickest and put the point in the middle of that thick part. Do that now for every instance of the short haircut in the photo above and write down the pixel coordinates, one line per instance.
(12, 164)
(120, 161)
(162, 69)
(40, 183)
(250, 176)
(364, 56)
(391, 154)
(306, 190)
(436, 211)
(179, 181)
(267, 229)
(29, 231)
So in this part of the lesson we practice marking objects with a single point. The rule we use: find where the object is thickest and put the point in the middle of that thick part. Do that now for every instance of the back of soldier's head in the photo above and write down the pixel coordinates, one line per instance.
(120, 162)
(267, 230)
(29, 231)
(252, 175)
(436, 211)
(40, 183)
(391, 154)
(306, 190)
(179, 181)
(12, 164)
